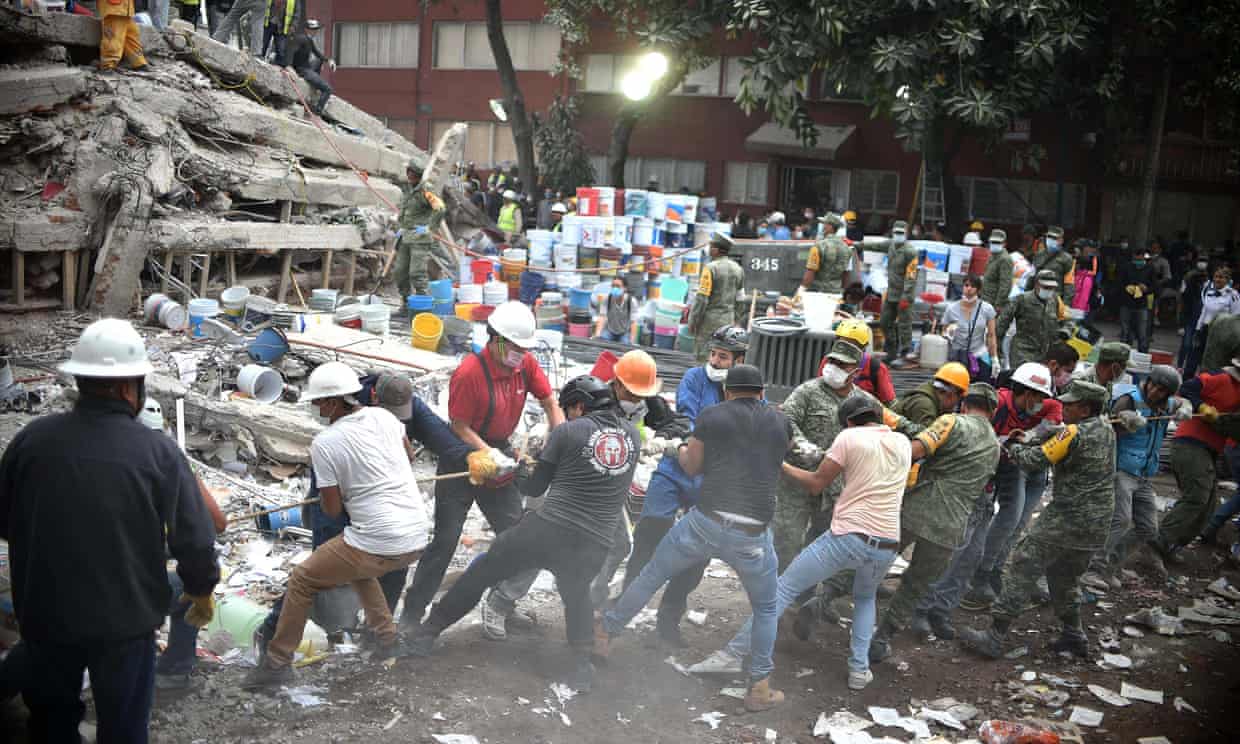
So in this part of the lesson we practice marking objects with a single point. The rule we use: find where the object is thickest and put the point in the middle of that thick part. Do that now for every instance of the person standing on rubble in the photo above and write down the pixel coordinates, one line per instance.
(361, 465)
(585, 469)
(254, 11)
(303, 54)
(738, 446)
(486, 397)
(714, 304)
(421, 212)
(91, 502)
(119, 37)
(278, 26)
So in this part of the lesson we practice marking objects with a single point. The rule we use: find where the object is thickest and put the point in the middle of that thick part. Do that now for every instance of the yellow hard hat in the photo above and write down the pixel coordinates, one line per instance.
(954, 374)
(850, 216)
(977, 225)
(854, 330)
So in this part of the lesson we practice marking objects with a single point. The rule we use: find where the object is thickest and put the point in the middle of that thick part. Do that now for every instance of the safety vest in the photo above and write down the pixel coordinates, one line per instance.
(290, 10)
(1136, 453)
(508, 217)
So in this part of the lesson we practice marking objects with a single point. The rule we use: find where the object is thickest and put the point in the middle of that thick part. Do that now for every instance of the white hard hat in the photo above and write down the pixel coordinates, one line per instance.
(152, 415)
(972, 238)
(559, 208)
(1034, 376)
(514, 321)
(510, 194)
(777, 217)
(331, 380)
(109, 348)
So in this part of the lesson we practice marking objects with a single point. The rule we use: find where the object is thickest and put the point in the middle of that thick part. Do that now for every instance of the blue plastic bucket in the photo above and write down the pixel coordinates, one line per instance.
(441, 289)
(419, 303)
(268, 346)
(579, 299)
(276, 521)
(444, 308)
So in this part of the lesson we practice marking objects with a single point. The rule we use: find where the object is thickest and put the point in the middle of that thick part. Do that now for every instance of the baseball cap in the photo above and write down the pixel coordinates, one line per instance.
(1080, 390)
(395, 392)
(744, 377)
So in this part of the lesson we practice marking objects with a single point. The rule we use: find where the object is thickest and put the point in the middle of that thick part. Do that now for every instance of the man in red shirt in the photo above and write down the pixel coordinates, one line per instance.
(486, 396)
(1197, 445)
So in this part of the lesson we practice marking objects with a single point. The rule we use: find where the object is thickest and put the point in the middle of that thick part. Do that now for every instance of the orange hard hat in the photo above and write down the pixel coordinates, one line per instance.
(636, 370)
(954, 374)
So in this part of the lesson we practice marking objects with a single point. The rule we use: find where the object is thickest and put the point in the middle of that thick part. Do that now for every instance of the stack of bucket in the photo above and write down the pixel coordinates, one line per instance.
(426, 331)
(531, 286)
(608, 261)
(376, 318)
(441, 298)
(349, 316)
(513, 264)
(199, 310)
(549, 313)
(468, 297)
(542, 251)
(162, 310)
(419, 303)
(494, 293)
(482, 270)
(579, 316)
(667, 323)
(233, 301)
(323, 300)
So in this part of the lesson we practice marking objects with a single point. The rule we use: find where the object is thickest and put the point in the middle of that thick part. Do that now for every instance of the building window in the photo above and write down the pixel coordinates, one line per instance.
(465, 46)
(745, 183)
(703, 82)
(603, 73)
(672, 174)
(874, 191)
(1014, 201)
(377, 44)
(488, 144)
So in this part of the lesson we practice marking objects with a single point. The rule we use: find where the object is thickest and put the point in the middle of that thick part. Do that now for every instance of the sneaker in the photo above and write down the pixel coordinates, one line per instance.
(859, 680)
(921, 627)
(494, 622)
(942, 626)
(602, 641)
(1095, 580)
(267, 675)
(986, 643)
(761, 697)
(1072, 641)
(720, 662)
(582, 679)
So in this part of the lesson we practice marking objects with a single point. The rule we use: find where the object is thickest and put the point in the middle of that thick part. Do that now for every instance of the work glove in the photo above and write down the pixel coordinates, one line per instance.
(482, 466)
(904, 304)
(806, 455)
(1131, 421)
(1183, 410)
(504, 465)
(1043, 431)
(672, 448)
(201, 610)
(1208, 413)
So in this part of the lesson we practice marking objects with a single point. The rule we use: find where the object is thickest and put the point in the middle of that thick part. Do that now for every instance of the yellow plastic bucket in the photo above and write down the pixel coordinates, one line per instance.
(465, 310)
(426, 331)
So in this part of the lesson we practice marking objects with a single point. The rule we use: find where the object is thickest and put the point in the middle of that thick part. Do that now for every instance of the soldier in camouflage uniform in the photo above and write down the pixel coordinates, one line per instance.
(1056, 260)
(421, 212)
(933, 398)
(1222, 343)
(827, 264)
(997, 280)
(811, 409)
(958, 454)
(714, 305)
(897, 316)
(1036, 315)
(1112, 361)
(1072, 526)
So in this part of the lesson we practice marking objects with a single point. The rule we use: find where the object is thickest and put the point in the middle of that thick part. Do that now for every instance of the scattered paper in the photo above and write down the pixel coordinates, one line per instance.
(1133, 631)
(1028, 676)
(523, 701)
(564, 719)
(563, 692)
(1109, 697)
(711, 719)
(1153, 740)
(305, 695)
(891, 717)
(1182, 705)
(437, 716)
(1132, 692)
(622, 720)
(842, 720)
(1160, 622)
(697, 617)
(770, 735)
(395, 719)
(1115, 661)
(803, 672)
(1055, 679)
(1085, 717)
(941, 717)
(1224, 589)
(734, 692)
(455, 738)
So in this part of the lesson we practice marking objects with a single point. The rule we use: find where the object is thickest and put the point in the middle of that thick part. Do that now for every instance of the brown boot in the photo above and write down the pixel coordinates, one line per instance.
(761, 697)
(602, 642)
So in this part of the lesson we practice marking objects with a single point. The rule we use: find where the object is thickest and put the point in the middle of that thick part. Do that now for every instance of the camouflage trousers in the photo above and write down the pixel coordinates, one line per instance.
(799, 519)
(1062, 567)
(929, 562)
(412, 258)
(1195, 476)
(897, 328)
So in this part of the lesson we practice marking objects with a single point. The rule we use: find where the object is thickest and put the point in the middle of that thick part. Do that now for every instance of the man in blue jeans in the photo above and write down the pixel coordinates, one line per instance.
(864, 532)
(738, 446)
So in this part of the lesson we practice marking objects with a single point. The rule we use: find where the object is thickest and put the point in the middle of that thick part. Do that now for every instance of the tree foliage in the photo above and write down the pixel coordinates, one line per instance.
(563, 161)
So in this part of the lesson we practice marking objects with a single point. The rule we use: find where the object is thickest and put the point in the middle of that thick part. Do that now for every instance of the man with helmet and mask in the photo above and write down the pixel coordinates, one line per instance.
(585, 469)
(91, 503)
(935, 397)
(361, 465)
(714, 304)
(671, 490)
(872, 376)
(486, 396)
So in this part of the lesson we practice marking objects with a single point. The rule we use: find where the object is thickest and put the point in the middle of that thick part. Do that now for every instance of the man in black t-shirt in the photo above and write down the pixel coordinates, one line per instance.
(585, 469)
(738, 446)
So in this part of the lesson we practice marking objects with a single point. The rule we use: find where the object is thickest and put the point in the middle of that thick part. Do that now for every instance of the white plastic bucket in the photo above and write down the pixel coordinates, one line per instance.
(470, 294)
(263, 384)
(150, 308)
(234, 298)
(172, 315)
(570, 230)
(199, 310)
(933, 350)
(643, 231)
(376, 318)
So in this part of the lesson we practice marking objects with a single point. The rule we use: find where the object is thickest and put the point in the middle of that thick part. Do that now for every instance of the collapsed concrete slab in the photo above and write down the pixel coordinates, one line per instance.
(40, 89)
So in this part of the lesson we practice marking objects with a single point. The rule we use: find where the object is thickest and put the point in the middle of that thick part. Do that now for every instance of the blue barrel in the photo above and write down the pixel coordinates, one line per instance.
(419, 303)
(579, 299)
(531, 286)
(277, 521)
(441, 289)
(444, 308)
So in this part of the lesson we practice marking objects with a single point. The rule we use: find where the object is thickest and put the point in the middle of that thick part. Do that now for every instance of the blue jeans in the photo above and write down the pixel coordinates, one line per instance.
(182, 652)
(607, 335)
(1018, 492)
(697, 538)
(819, 561)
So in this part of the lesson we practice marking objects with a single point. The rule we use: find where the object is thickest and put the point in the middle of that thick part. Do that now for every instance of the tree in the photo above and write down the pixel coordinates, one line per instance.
(682, 31)
(514, 102)
(942, 69)
(562, 157)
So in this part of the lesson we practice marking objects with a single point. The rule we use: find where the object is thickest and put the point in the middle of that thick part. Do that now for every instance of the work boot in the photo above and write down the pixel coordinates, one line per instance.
(981, 595)
(398, 648)
(582, 678)
(173, 682)
(422, 642)
(921, 627)
(987, 643)
(260, 639)
(761, 697)
(1072, 640)
(1148, 561)
(880, 644)
(602, 642)
(941, 624)
(667, 631)
(267, 675)
(859, 680)
(720, 662)
(1042, 592)
(494, 621)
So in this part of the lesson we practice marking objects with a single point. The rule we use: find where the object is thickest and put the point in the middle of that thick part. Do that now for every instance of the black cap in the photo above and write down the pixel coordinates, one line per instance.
(855, 405)
(744, 377)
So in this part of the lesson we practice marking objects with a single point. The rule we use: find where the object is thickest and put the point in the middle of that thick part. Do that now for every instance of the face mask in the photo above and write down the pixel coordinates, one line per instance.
(835, 377)
(996, 247)
(1201, 265)
(513, 358)
(633, 410)
(1052, 244)
(1045, 294)
(714, 374)
(616, 291)
(897, 237)
(1062, 378)
(1138, 262)
(324, 420)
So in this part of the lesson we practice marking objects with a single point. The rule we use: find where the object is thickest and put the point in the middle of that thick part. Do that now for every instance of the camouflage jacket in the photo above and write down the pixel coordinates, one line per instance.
(997, 280)
(901, 269)
(1083, 492)
(919, 405)
(419, 207)
(1037, 324)
(1059, 262)
(828, 259)
(715, 301)
(811, 409)
(962, 453)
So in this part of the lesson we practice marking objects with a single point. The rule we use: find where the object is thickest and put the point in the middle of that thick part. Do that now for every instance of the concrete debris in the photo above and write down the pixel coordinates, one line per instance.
(1221, 636)
(1115, 661)
(1224, 588)
(1055, 679)
(712, 719)
(1109, 697)
(1132, 692)
(1208, 613)
(1085, 717)
(306, 696)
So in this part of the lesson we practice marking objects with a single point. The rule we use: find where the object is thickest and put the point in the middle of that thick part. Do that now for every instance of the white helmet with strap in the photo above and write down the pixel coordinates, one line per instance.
(330, 380)
(109, 348)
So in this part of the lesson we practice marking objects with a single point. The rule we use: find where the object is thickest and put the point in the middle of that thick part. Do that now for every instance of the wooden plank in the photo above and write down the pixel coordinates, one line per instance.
(286, 275)
(230, 267)
(68, 279)
(327, 267)
(19, 278)
(29, 306)
(286, 210)
(351, 275)
(205, 282)
(187, 276)
(166, 282)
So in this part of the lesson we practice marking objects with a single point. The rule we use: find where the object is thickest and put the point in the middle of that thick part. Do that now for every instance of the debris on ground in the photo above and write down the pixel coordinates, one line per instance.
(1132, 692)
(712, 719)
(1157, 620)
(1083, 716)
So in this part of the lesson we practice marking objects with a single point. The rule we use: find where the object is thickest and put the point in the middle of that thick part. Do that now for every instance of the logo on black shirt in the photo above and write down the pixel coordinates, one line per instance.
(610, 451)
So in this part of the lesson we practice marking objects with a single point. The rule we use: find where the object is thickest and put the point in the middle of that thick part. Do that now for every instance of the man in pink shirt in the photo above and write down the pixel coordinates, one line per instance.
(864, 533)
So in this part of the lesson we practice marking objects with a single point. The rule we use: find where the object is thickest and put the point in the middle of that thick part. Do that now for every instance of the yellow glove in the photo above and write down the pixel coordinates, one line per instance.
(891, 419)
(1133, 290)
(1137, 292)
(201, 610)
(913, 472)
(1208, 413)
(482, 467)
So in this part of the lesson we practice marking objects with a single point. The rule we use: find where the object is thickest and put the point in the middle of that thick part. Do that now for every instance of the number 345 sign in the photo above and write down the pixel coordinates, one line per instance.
(764, 263)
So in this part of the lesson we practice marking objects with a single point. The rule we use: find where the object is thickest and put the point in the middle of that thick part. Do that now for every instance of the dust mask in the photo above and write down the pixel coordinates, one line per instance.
(897, 237)
(1052, 245)
(1201, 265)
(634, 410)
(834, 376)
(715, 374)
(996, 247)
(512, 358)
(1045, 294)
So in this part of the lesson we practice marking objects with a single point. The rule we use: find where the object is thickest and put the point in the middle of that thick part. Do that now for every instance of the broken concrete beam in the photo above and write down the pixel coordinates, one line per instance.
(40, 232)
(69, 29)
(39, 89)
(122, 255)
(261, 237)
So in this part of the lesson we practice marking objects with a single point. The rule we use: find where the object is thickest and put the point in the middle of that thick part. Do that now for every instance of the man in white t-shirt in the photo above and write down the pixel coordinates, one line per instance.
(361, 463)
(864, 533)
